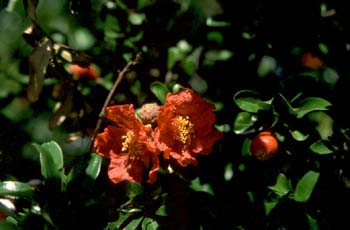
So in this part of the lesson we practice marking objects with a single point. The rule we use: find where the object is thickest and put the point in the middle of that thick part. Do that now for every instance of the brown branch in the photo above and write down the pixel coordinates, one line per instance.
(110, 95)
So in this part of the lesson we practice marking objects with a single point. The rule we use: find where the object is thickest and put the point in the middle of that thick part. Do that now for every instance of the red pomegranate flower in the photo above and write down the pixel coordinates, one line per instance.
(185, 127)
(129, 147)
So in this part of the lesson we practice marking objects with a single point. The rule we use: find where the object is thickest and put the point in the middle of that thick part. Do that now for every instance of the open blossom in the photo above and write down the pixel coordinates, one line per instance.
(185, 127)
(129, 147)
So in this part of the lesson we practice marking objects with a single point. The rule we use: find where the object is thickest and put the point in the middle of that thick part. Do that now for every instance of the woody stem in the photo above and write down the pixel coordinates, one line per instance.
(121, 75)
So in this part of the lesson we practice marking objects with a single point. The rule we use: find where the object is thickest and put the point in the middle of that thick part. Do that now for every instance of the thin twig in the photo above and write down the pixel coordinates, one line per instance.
(102, 114)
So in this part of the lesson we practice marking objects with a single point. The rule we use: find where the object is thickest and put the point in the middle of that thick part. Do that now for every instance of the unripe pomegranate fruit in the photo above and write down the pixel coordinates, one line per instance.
(264, 146)
(79, 72)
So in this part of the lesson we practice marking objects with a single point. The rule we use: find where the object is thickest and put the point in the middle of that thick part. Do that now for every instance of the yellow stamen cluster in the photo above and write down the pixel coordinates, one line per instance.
(127, 139)
(184, 129)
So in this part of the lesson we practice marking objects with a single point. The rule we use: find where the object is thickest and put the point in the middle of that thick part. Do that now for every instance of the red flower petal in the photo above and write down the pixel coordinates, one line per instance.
(185, 127)
(129, 146)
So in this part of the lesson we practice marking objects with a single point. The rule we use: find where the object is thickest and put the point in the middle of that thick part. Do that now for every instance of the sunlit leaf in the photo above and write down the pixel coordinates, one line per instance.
(56, 153)
(306, 186)
(134, 224)
(136, 18)
(160, 90)
(266, 66)
(247, 101)
(299, 136)
(324, 123)
(149, 224)
(16, 189)
(320, 148)
(50, 160)
(94, 166)
(228, 174)
(196, 185)
(134, 189)
(253, 105)
(313, 223)
(282, 186)
(243, 122)
(174, 55)
(311, 104)
(119, 222)
(162, 211)
(330, 76)
(269, 206)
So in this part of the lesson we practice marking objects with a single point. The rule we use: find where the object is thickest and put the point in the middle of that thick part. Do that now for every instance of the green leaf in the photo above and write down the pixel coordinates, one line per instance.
(149, 224)
(305, 186)
(160, 90)
(56, 152)
(174, 55)
(5, 225)
(94, 166)
(189, 65)
(320, 148)
(119, 222)
(253, 105)
(162, 211)
(311, 104)
(136, 18)
(51, 160)
(243, 122)
(266, 66)
(249, 102)
(269, 205)
(282, 186)
(196, 185)
(134, 189)
(132, 225)
(15, 188)
(299, 136)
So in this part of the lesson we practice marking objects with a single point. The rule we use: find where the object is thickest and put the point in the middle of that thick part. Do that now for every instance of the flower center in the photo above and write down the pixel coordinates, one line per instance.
(127, 140)
(131, 146)
(184, 129)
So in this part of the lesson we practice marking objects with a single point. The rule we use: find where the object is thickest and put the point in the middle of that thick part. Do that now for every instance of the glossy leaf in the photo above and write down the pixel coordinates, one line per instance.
(282, 186)
(16, 189)
(51, 160)
(160, 90)
(311, 104)
(56, 152)
(305, 186)
(251, 104)
(149, 224)
(196, 185)
(94, 166)
(320, 148)
(119, 222)
(299, 136)
(269, 205)
(162, 211)
(134, 189)
(134, 224)
(247, 101)
(243, 122)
